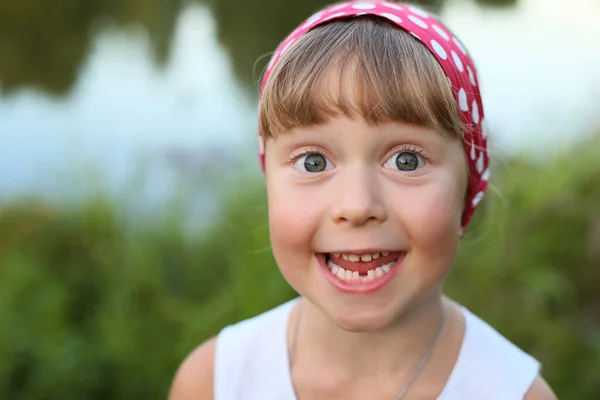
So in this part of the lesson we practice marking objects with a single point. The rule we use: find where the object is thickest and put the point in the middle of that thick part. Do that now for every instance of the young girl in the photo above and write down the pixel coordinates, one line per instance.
(375, 160)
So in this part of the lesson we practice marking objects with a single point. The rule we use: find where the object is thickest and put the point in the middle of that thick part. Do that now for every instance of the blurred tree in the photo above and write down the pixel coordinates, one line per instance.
(43, 45)
(252, 28)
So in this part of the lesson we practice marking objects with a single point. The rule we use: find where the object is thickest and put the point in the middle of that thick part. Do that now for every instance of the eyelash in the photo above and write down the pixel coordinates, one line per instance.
(304, 152)
(404, 149)
(412, 149)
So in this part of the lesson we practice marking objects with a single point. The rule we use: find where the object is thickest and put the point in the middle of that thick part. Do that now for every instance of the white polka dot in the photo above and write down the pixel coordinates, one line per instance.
(441, 32)
(457, 61)
(460, 46)
(261, 145)
(392, 17)
(394, 6)
(477, 199)
(479, 164)
(473, 153)
(439, 49)
(475, 112)
(471, 76)
(486, 175)
(336, 15)
(363, 6)
(418, 11)
(418, 21)
(312, 20)
(462, 100)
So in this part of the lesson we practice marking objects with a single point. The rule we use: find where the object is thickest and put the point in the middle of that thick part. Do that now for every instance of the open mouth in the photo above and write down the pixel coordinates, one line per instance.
(362, 268)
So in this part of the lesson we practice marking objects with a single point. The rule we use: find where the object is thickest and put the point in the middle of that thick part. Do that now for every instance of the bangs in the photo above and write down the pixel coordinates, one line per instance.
(359, 67)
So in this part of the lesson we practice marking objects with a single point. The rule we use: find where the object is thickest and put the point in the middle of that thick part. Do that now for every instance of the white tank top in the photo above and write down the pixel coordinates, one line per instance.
(251, 362)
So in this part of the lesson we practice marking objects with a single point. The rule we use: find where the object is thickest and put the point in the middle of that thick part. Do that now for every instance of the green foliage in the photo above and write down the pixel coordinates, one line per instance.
(92, 307)
(532, 265)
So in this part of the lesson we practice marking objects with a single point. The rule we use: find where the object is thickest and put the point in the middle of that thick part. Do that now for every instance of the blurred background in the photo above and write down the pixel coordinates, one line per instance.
(133, 213)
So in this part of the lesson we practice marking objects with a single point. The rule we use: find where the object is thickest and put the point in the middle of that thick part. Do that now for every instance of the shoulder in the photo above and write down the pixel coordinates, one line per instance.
(194, 378)
(483, 340)
(540, 390)
(503, 369)
(242, 357)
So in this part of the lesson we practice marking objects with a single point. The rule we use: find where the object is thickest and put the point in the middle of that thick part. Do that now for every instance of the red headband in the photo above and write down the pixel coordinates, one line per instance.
(451, 55)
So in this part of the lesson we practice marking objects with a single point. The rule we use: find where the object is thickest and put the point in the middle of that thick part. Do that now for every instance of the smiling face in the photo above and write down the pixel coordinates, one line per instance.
(366, 175)
(349, 189)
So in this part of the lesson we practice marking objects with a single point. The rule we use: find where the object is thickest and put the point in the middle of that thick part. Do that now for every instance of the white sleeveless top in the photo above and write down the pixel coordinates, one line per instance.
(251, 362)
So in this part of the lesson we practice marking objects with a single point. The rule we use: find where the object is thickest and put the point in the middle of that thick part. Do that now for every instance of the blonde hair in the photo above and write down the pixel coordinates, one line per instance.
(395, 79)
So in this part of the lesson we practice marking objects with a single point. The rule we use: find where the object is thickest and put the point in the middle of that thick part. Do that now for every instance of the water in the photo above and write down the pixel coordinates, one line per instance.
(125, 111)
(539, 65)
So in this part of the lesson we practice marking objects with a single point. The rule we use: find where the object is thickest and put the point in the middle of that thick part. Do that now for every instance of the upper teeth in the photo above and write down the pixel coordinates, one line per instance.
(354, 276)
(364, 257)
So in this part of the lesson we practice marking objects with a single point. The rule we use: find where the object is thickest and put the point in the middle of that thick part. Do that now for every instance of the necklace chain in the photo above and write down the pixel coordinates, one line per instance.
(416, 371)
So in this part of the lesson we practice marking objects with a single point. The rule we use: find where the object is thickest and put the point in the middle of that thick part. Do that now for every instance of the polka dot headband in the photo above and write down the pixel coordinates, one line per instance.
(455, 62)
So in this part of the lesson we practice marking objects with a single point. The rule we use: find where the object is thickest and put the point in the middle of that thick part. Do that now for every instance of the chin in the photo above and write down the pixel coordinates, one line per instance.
(360, 319)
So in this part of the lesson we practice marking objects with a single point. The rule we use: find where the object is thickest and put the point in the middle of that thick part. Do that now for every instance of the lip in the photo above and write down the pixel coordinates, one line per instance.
(360, 287)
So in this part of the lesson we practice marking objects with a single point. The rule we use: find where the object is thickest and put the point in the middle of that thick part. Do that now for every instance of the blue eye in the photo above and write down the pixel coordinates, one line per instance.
(405, 161)
(313, 163)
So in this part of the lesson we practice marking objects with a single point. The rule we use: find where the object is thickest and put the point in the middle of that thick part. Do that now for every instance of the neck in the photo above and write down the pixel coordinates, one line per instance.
(396, 349)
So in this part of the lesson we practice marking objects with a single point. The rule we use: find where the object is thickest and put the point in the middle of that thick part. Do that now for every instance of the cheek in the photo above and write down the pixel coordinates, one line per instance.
(433, 222)
(291, 222)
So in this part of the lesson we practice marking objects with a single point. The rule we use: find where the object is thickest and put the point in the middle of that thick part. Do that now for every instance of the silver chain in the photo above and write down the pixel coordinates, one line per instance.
(416, 371)
(425, 355)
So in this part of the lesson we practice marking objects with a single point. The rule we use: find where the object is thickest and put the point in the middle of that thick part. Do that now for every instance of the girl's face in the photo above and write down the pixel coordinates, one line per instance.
(389, 195)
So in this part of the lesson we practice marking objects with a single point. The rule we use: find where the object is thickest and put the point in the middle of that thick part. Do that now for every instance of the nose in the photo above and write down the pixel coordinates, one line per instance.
(358, 198)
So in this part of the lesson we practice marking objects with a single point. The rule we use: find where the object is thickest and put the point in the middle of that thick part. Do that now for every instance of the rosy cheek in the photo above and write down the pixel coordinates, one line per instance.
(435, 218)
(290, 217)
(289, 243)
